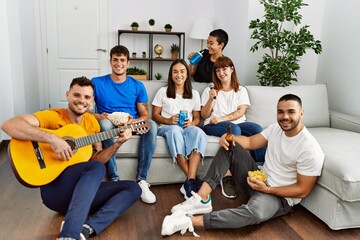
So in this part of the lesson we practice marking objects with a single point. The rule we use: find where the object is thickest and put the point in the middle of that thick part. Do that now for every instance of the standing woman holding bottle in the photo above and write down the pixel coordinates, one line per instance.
(224, 105)
(185, 141)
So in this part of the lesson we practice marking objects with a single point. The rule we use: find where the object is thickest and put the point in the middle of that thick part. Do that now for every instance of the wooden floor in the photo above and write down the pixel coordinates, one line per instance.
(23, 216)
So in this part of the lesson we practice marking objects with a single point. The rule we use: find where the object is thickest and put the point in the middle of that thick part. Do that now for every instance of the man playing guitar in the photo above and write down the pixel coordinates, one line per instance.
(89, 204)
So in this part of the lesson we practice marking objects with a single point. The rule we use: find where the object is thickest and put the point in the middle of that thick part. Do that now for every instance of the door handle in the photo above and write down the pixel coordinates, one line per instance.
(101, 50)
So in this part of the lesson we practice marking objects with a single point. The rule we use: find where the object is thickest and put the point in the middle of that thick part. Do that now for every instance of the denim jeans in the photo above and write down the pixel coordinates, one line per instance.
(146, 149)
(80, 194)
(260, 206)
(244, 128)
(183, 140)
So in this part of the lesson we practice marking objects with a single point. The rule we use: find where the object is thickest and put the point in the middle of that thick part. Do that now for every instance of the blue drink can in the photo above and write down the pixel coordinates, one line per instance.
(183, 115)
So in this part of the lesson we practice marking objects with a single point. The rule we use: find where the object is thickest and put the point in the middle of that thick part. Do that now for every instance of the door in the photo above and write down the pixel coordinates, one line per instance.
(77, 43)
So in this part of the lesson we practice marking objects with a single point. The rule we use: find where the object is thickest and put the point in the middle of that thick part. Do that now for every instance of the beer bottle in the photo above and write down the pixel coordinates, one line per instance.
(229, 137)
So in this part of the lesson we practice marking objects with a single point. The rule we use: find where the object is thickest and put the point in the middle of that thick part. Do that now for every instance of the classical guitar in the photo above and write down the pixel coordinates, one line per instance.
(35, 164)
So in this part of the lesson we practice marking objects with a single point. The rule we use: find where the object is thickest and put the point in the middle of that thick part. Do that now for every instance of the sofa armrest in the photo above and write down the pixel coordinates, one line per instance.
(344, 121)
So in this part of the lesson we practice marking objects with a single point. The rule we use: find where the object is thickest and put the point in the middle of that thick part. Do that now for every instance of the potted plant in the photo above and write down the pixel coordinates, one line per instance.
(158, 76)
(174, 49)
(134, 26)
(136, 73)
(168, 27)
(151, 23)
(133, 55)
(144, 54)
(285, 47)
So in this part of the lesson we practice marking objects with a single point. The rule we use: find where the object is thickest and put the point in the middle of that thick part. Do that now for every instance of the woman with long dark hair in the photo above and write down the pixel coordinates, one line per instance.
(185, 141)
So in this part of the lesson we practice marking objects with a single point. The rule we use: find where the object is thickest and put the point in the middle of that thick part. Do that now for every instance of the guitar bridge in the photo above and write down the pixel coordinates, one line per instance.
(38, 154)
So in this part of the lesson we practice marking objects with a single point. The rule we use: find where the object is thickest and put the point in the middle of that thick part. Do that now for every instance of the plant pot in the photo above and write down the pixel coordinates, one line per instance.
(134, 28)
(167, 29)
(175, 54)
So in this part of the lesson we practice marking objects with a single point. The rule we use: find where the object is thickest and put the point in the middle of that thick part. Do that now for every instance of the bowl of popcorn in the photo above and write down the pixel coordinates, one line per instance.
(118, 118)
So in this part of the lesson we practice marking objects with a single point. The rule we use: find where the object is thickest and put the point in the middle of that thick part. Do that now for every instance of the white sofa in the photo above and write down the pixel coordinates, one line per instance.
(336, 196)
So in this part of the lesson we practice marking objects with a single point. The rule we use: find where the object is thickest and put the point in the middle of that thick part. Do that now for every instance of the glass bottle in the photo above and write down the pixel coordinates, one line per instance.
(229, 137)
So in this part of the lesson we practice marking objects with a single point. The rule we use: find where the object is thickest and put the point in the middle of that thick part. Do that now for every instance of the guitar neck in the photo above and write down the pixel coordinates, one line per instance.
(98, 137)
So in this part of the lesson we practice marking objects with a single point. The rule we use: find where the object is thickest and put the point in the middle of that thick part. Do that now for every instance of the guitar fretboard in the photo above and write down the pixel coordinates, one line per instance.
(98, 137)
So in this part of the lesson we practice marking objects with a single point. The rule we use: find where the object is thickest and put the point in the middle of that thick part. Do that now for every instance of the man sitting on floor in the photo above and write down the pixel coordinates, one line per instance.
(293, 162)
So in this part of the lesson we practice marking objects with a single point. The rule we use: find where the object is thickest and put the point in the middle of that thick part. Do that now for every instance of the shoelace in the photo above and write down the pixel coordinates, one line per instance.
(190, 200)
(188, 226)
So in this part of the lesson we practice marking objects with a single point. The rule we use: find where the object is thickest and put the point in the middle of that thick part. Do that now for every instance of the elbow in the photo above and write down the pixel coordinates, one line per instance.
(305, 193)
(5, 126)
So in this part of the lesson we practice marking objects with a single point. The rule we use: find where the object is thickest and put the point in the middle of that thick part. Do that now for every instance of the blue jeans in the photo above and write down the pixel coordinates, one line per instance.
(183, 140)
(80, 194)
(146, 149)
(244, 128)
(260, 206)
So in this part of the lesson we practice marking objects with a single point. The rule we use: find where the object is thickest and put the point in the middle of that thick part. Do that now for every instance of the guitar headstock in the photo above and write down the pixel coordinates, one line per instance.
(140, 127)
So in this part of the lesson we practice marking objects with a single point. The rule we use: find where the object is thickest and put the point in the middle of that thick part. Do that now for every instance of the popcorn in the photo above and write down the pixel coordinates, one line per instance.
(258, 175)
(118, 118)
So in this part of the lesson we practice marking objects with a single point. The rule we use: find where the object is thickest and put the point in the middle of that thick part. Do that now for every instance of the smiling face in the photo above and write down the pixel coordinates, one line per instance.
(289, 115)
(224, 73)
(214, 46)
(179, 74)
(79, 99)
(119, 64)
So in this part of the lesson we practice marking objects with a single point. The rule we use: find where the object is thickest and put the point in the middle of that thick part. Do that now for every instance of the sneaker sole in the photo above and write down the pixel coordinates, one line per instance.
(223, 192)
(195, 211)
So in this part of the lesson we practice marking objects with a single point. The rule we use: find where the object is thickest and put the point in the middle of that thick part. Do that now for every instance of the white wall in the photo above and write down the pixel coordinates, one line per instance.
(339, 64)
(6, 91)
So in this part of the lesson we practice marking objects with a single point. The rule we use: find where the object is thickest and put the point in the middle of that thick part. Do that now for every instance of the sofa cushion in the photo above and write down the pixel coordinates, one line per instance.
(263, 102)
(341, 171)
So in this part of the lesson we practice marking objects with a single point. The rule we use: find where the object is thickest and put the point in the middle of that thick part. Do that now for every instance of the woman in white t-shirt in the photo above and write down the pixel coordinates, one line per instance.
(226, 104)
(186, 143)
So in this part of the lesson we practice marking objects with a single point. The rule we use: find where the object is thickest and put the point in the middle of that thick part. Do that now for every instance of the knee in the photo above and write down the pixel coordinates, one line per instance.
(259, 215)
(257, 128)
(105, 125)
(98, 167)
(235, 129)
(153, 128)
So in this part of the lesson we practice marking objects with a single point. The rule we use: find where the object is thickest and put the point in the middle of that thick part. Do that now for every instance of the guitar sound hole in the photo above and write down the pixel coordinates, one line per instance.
(71, 144)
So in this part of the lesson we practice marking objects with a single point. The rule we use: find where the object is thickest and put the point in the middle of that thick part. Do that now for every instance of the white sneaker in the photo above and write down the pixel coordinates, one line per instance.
(194, 205)
(182, 190)
(175, 222)
(146, 196)
(82, 236)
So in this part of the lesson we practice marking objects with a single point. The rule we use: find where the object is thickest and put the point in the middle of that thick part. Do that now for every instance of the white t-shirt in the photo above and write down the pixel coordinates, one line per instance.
(171, 106)
(226, 103)
(287, 156)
